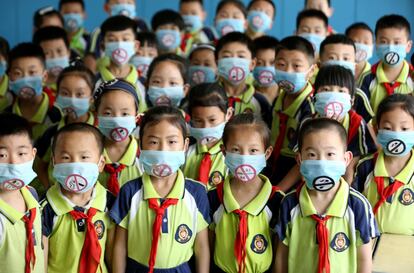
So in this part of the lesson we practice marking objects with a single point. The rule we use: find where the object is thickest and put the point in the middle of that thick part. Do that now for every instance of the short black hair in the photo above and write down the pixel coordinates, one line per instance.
(234, 37)
(118, 23)
(207, 94)
(41, 13)
(63, 2)
(180, 62)
(167, 16)
(311, 13)
(23, 50)
(318, 124)
(328, 1)
(77, 69)
(268, 1)
(265, 42)
(81, 127)
(148, 38)
(402, 101)
(393, 21)
(336, 39)
(4, 47)
(297, 43)
(335, 75)
(236, 3)
(12, 124)
(50, 33)
(358, 25)
(190, 1)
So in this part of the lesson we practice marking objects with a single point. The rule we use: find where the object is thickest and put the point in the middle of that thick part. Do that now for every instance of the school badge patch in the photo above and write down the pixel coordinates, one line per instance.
(99, 228)
(259, 244)
(406, 197)
(215, 178)
(340, 242)
(183, 234)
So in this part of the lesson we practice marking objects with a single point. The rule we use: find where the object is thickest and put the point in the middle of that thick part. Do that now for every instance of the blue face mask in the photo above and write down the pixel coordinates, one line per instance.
(27, 87)
(264, 75)
(73, 106)
(291, 82)
(207, 135)
(314, 39)
(259, 21)
(77, 177)
(56, 65)
(120, 52)
(142, 64)
(16, 176)
(161, 163)
(391, 55)
(234, 70)
(127, 10)
(330, 104)
(245, 167)
(345, 64)
(322, 175)
(201, 74)
(193, 23)
(363, 52)
(116, 128)
(73, 21)
(224, 26)
(396, 143)
(3, 68)
(171, 96)
(168, 39)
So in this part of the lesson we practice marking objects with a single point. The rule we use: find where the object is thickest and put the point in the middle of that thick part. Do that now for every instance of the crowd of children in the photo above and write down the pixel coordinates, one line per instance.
(180, 147)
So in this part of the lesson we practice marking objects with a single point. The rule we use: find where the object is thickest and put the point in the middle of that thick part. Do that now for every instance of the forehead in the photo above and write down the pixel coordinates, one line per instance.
(311, 22)
(267, 53)
(230, 7)
(111, 2)
(327, 137)
(240, 134)
(262, 5)
(117, 95)
(392, 32)
(360, 32)
(20, 139)
(316, 3)
(203, 54)
(52, 43)
(292, 55)
(69, 142)
(24, 62)
(162, 128)
(166, 69)
(124, 32)
(339, 48)
(234, 46)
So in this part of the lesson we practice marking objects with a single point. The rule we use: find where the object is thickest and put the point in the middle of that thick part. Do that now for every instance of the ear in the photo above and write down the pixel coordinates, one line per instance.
(246, 24)
(101, 163)
(223, 149)
(186, 144)
(348, 157)
(186, 89)
(298, 159)
(229, 113)
(311, 72)
(409, 46)
(268, 152)
(138, 117)
(34, 152)
(137, 45)
(45, 75)
(203, 16)
(253, 64)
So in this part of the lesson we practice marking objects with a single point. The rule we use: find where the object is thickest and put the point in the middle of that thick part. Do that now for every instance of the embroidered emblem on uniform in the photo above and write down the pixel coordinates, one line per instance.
(183, 234)
(248, 110)
(99, 228)
(340, 242)
(215, 178)
(406, 197)
(259, 244)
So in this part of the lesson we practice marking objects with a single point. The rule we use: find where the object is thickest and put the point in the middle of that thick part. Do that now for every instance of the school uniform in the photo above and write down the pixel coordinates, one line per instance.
(349, 221)
(365, 71)
(79, 42)
(183, 214)
(14, 242)
(256, 219)
(6, 98)
(362, 105)
(204, 35)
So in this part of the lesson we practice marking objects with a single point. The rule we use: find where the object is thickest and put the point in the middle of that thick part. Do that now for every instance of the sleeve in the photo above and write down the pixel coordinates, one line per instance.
(119, 212)
(203, 206)
(283, 226)
(364, 167)
(48, 216)
(367, 143)
(362, 99)
(274, 205)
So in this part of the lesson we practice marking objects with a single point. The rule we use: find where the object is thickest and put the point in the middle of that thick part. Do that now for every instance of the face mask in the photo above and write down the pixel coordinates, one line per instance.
(396, 143)
(166, 95)
(391, 55)
(193, 23)
(322, 175)
(161, 163)
(264, 75)
(127, 10)
(27, 87)
(167, 39)
(259, 21)
(16, 176)
(245, 167)
(207, 135)
(224, 26)
(291, 82)
(141, 63)
(3, 68)
(345, 64)
(314, 39)
(56, 65)
(76, 106)
(234, 70)
(116, 128)
(329, 104)
(201, 74)
(77, 177)
(73, 21)
(120, 52)
(363, 52)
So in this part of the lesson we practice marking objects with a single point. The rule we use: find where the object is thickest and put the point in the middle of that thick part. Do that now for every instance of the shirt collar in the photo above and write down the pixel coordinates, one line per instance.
(90, 120)
(177, 191)
(215, 149)
(402, 77)
(403, 176)
(132, 76)
(11, 213)
(130, 155)
(4, 84)
(294, 107)
(41, 112)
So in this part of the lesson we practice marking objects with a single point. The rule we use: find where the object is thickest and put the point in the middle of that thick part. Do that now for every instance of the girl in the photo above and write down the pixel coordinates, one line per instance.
(208, 108)
(245, 206)
(162, 210)
(386, 177)
(203, 67)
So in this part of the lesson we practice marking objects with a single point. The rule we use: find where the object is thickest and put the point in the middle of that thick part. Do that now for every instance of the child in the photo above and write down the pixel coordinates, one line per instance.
(145, 55)
(74, 14)
(264, 71)
(324, 226)
(27, 74)
(246, 205)
(208, 108)
(21, 248)
(363, 38)
(203, 67)
(169, 214)
(6, 98)
(393, 73)
(312, 25)
(385, 178)
(47, 16)
(77, 231)
(231, 16)
(169, 26)
(260, 17)
(325, 7)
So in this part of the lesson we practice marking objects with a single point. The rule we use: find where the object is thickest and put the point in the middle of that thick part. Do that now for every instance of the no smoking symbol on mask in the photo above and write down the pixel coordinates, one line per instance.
(198, 77)
(76, 183)
(265, 77)
(392, 58)
(287, 85)
(236, 74)
(257, 21)
(12, 184)
(245, 173)
(161, 170)
(361, 55)
(119, 134)
(334, 109)
(323, 183)
(168, 40)
(27, 92)
(226, 29)
(396, 147)
(120, 55)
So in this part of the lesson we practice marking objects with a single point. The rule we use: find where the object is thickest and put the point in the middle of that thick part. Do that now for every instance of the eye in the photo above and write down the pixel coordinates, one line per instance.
(212, 120)
(107, 113)
(85, 157)
(331, 154)
(234, 150)
(22, 154)
(3, 155)
(65, 157)
(173, 141)
(254, 151)
(311, 155)
(125, 114)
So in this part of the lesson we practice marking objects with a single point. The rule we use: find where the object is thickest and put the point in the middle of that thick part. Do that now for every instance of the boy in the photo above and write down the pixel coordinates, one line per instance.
(27, 73)
(75, 209)
(261, 15)
(146, 53)
(6, 98)
(324, 226)
(47, 16)
(312, 25)
(325, 7)
(231, 15)
(203, 67)
(21, 248)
